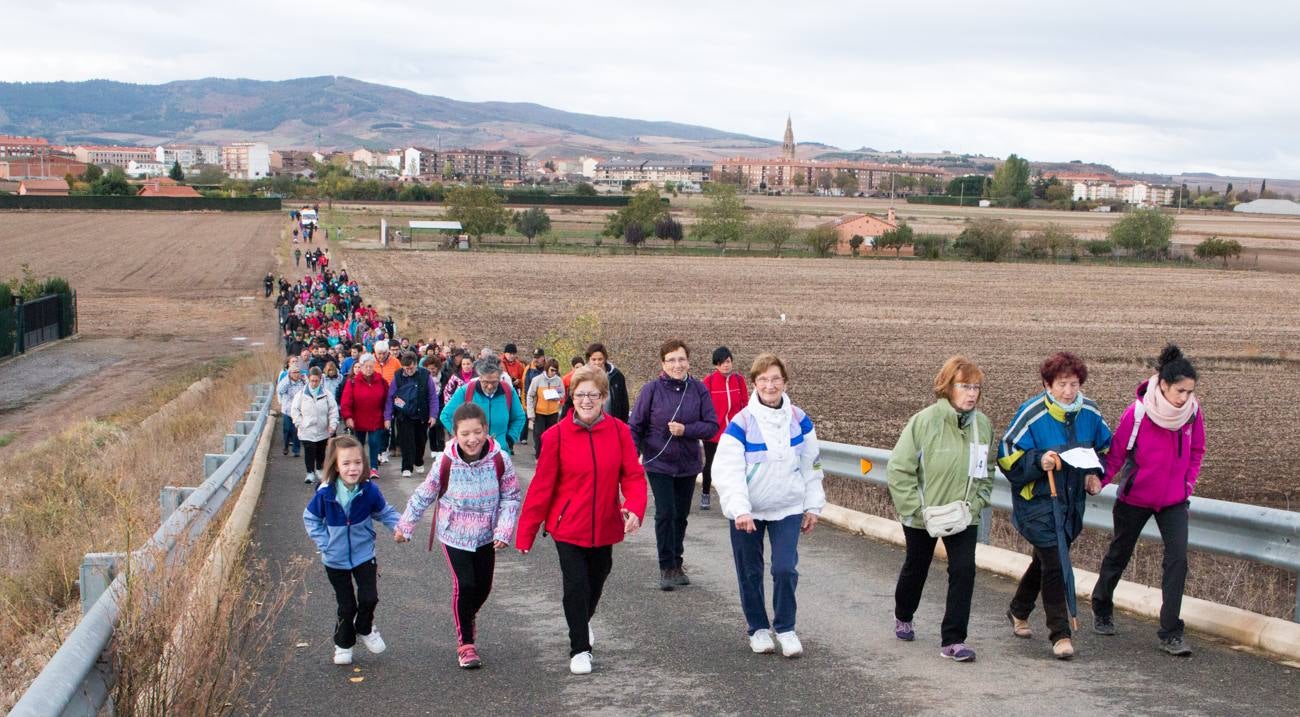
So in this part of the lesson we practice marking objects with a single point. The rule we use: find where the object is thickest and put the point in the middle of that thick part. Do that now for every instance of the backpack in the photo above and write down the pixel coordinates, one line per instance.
(444, 477)
(409, 394)
(472, 384)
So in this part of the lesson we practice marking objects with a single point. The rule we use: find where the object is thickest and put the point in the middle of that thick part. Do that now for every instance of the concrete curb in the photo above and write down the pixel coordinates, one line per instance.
(1268, 634)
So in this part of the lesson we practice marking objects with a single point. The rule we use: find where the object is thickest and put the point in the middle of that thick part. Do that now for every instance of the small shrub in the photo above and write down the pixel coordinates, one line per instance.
(986, 239)
(930, 246)
(822, 240)
(1100, 247)
(1144, 233)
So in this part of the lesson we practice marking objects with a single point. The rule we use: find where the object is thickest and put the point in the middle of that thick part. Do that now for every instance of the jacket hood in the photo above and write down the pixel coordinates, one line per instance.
(453, 449)
(1141, 390)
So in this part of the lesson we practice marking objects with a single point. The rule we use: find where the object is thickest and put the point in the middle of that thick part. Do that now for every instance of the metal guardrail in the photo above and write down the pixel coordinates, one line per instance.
(1264, 535)
(77, 679)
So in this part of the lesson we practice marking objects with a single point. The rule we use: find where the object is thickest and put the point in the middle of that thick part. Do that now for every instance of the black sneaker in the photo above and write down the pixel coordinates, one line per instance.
(705, 502)
(1103, 625)
(666, 581)
(679, 577)
(1175, 646)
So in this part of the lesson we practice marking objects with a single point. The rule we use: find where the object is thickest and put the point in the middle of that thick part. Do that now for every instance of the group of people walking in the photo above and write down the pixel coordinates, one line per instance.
(600, 457)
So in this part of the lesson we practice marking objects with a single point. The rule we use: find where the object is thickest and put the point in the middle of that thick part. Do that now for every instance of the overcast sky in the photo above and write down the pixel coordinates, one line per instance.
(1143, 86)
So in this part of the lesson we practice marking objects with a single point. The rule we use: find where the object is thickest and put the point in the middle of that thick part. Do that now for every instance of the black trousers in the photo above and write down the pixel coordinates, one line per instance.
(471, 582)
(410, 440)
(584, 571)
(672, 506)
(313, 454)
(961, 579)
(1129, 521)
(710, 450)
(1044, 576)
(437, 441)
(356, 614)
(540, 424)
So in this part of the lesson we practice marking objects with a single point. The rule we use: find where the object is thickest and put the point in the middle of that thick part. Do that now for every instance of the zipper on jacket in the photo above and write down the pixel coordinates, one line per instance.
(560, 517)
(592, 442)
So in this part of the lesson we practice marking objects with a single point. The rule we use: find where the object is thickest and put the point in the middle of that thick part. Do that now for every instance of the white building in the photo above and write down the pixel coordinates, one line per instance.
(1137, 193)
(187, 154)
(246, 160)
(652, 172)
(411, 161)
(588, 166)
(146, 169)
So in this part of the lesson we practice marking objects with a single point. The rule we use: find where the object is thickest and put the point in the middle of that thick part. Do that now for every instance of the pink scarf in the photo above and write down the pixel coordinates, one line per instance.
(1162, 412)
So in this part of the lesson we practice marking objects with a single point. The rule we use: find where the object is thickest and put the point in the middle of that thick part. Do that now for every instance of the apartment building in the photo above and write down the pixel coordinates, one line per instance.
(246, 160)
(187, 154)
(113, 155)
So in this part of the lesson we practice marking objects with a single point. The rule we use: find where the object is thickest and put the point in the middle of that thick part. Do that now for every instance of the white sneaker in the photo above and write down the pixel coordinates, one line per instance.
(761, 642)
(419, 469)
(580, 664)
(310, 478)
(342, 655)
(790, 645)
(383, 458)
(373, 642)
(406, 474)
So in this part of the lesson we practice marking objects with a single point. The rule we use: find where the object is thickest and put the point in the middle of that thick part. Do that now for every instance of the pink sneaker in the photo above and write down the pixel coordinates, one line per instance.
(467, 656)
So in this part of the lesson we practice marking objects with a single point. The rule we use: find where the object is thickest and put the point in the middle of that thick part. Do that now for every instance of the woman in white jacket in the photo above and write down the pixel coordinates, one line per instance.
(769, 480)
(315, 414)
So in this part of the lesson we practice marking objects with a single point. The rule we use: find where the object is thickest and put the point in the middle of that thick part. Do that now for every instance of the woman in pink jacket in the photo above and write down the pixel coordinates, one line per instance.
(730, 396)
(1155, 457)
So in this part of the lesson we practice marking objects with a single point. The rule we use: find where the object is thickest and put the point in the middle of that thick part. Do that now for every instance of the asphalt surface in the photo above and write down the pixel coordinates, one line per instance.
(685, 652)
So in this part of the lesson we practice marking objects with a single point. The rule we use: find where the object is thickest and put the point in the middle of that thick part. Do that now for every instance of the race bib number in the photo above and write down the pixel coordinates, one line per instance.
(979, 460)
(550, 394)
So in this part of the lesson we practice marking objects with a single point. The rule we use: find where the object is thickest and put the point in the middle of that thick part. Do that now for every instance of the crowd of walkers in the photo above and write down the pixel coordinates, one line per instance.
(352, 394)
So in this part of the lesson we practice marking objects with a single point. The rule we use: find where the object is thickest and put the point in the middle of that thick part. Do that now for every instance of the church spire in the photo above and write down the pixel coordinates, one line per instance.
(787, 146)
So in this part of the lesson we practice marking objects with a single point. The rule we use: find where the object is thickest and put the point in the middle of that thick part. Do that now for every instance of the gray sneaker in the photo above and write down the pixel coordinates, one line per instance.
(1175, 646)
(1103, 625)
(705, 502)
(666, 579)
(679, 577)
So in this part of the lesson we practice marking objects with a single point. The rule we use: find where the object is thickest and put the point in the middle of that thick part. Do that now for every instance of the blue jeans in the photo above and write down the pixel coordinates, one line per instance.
(291, 436)
(747, 549)
(374, 443)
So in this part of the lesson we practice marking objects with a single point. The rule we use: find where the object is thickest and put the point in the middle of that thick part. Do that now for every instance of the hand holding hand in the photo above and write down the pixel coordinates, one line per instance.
(398, 537)
(746, 523)
(675, 428)
(809, 522)
(500, 544)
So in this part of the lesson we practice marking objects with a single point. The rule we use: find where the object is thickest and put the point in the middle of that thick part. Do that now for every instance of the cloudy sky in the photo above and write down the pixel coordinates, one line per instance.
(1143, 86)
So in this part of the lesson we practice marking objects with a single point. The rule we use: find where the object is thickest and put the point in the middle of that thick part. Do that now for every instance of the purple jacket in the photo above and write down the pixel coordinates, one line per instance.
(430, 392)
(687, 402)
(1168, 462)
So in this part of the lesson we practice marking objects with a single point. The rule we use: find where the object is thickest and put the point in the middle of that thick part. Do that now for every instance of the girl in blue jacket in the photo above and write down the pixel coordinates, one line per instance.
(338, 519)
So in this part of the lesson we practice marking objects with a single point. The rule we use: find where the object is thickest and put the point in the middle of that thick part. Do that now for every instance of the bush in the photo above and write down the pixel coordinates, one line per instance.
(896, 238)
(986, 239)
(930, 246)
(1100, 247)
(822, 240)
(1216, 248)
(1052, 240)
(1145, 233)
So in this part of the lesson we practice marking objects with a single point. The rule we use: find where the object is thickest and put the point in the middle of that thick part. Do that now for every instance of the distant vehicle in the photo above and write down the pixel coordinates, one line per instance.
(308, 217)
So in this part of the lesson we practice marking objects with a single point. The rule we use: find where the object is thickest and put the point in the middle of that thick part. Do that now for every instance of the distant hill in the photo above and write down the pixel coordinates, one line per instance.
(335, 112)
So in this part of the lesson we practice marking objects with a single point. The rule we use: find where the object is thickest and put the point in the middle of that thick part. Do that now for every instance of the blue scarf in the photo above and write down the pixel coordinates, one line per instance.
(1068, 408)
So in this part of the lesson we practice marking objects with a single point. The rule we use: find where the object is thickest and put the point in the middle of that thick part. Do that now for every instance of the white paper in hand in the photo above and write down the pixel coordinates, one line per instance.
(1082, 458)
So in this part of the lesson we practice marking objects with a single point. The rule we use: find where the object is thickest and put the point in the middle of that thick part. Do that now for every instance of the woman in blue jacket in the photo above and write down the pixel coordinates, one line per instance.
(339, 520)
(1054, 421)
(672, 415)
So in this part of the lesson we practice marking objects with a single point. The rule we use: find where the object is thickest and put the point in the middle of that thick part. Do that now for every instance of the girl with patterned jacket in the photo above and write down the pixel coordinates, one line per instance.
(769, 480)
(477, 494)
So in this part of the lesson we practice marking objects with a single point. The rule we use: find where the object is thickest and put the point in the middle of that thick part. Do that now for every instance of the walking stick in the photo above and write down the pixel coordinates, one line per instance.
(1062, 547)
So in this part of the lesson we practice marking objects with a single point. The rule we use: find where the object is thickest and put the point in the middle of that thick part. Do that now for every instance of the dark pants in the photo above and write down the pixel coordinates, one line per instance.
(961, 579)
(313, 454)
(410, 439)
(672, 504)
(471, 581)
(291, 435)
(584, 571)
(1044, 576)
(374, 443)
(540, 425)
(356, 609)
(747, 550)
(710, 450)
(1129, 521)
(437, 440)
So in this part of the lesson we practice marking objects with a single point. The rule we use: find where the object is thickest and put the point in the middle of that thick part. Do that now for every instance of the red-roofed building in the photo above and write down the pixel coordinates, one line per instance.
(166, 187)
(11, 146)
(867, 226)
(43, 188)
(119, 156)
(40, 167)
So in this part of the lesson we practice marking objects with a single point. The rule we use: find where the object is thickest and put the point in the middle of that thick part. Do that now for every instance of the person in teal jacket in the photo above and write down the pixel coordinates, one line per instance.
(505, 415)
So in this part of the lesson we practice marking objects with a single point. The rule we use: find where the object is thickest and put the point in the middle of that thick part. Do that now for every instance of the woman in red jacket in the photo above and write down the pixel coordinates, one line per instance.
(362, 409)
(730, 396)
(590, 491)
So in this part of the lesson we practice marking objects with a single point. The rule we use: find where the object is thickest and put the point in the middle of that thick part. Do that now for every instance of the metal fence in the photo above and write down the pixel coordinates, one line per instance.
(77, 680)
(1249, 532)
(28, 324)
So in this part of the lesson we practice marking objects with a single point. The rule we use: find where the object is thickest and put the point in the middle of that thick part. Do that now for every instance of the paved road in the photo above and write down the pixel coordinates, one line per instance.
(685, 652)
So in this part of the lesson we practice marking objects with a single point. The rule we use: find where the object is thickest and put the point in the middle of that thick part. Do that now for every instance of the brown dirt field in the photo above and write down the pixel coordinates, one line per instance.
(156, 293)
(865, 338)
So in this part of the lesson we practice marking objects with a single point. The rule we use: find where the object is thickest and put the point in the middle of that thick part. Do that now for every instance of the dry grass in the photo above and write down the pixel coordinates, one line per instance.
(94, 488)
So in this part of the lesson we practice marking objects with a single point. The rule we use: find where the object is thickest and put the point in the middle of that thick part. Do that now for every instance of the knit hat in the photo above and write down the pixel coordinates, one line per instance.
(720, 354)
(510, 349)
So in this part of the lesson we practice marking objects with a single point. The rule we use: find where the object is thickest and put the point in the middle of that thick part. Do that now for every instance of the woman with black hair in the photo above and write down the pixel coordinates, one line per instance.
(1155, 458)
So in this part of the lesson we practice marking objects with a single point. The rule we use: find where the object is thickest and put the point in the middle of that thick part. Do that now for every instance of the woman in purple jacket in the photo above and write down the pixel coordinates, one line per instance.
(1163, 433)
(672, 415)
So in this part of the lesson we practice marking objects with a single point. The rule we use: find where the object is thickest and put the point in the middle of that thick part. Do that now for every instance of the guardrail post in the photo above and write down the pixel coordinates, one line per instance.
(986, 524)
(97, 573)
(211, 462)
(251, 415)
(244, 427)
(232, 442)
(171, 497)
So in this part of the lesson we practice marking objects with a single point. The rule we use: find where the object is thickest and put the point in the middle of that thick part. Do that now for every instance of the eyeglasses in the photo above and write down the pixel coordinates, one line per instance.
(972, 387)
(775, 381)
(584, 396)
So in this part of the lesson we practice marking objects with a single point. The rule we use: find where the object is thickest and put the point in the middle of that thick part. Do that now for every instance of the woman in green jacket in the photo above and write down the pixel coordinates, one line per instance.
(945, 455)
